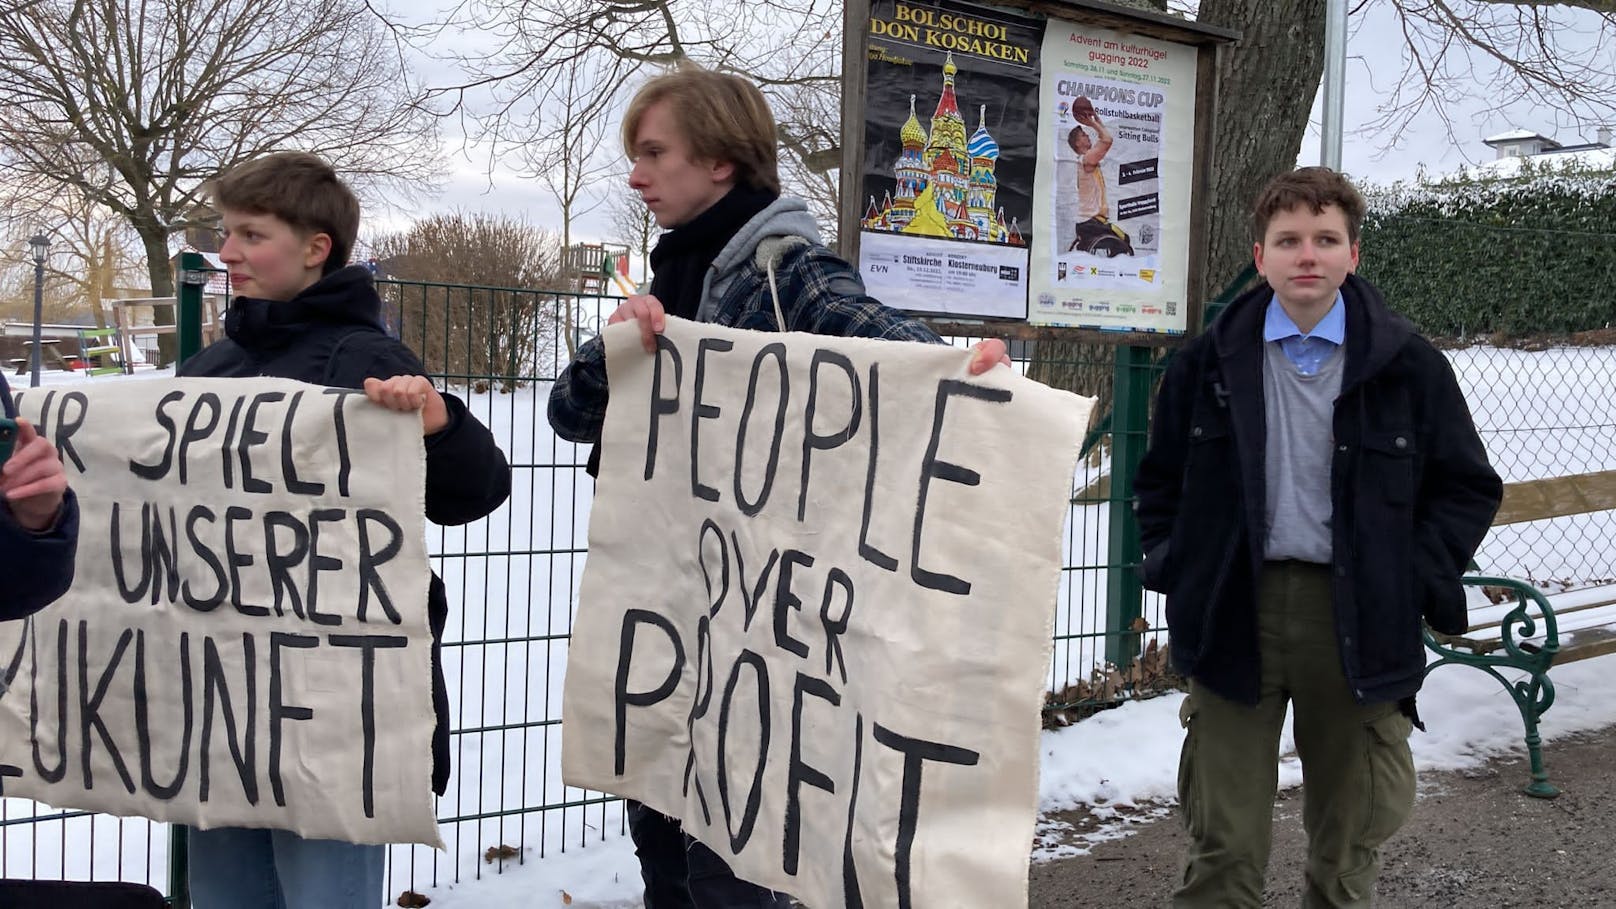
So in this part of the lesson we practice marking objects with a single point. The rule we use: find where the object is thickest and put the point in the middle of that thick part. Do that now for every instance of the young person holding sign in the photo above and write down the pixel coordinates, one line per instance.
(290, 225)
(1314, 487)
(736, 253)
(39, 517)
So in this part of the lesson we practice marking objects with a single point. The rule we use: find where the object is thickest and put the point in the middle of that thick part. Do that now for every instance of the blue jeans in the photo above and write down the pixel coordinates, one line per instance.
(241, 868)
(681, 873)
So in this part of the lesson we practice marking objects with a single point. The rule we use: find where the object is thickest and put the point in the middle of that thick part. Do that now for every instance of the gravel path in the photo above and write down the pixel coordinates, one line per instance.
(1474, 840)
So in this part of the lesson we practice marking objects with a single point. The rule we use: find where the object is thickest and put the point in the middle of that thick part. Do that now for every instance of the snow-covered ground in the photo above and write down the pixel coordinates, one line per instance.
(515, 577)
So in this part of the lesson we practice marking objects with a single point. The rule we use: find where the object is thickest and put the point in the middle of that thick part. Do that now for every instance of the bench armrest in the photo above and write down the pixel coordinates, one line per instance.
(1530, 608)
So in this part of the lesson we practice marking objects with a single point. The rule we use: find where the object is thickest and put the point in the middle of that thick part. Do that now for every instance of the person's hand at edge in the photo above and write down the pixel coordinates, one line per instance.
(988, 354)
(32, 481)
(411, 393)
(646, 310)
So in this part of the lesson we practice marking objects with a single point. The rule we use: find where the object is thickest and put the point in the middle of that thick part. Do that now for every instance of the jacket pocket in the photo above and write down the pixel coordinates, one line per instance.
(1189, 789)
(1391, 776)
(1154, 571)
(1388, 464)
(1210, 468)
(1442, 597)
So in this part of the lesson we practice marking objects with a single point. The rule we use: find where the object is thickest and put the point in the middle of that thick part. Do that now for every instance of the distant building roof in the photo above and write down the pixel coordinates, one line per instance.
(1598, 159)
(1517, 135)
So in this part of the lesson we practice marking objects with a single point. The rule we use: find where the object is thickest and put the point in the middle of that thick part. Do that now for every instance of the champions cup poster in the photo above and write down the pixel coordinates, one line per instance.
(1116, 147)
(950, 152)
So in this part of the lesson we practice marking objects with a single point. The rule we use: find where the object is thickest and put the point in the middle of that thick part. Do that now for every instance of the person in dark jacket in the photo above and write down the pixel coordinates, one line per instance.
(290, 225)
(736, 253)
(39, 521)
(1313, 488)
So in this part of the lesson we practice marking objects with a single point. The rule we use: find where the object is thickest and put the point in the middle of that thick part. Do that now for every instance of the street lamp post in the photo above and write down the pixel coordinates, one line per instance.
(39, 244)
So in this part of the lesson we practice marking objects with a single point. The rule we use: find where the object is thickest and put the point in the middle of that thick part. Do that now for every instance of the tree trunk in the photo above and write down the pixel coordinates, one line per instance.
(1085, 369)
(161, 272)
(1266, 86)
(101, 284)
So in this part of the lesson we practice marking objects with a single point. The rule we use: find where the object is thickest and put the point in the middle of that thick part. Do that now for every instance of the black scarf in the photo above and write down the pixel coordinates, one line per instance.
(684, 254)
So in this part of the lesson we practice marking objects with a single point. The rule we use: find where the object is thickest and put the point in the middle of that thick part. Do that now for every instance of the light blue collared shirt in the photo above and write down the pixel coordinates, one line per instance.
(1307, 352)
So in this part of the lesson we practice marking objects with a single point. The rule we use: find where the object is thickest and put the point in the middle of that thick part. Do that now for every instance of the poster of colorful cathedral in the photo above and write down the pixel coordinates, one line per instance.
(946, 185)
(948, 157)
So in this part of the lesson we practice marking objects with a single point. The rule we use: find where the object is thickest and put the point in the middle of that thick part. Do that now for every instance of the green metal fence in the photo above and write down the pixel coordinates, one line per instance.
(513, 578)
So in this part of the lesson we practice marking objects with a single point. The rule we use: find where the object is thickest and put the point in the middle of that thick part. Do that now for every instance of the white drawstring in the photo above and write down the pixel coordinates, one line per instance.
(774, 292)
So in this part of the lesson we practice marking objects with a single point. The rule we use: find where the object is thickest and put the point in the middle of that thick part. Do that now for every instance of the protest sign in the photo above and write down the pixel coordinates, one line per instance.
(246, 640)
(815, 623)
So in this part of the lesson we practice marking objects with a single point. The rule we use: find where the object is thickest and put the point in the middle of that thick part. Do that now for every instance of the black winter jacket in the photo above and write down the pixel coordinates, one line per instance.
(331, 334)
(1412, 495)
(36, 567)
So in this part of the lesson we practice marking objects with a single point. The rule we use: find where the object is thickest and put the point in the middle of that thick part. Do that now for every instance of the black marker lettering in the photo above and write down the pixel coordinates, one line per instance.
(661, 406)
(278, 710)
(700, 411)
(814, 441)
(778, 352)
(932, 468)
(624, 698)
(160, 469)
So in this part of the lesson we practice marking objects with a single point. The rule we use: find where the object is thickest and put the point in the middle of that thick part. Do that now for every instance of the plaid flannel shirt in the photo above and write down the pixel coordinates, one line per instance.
(819, 293)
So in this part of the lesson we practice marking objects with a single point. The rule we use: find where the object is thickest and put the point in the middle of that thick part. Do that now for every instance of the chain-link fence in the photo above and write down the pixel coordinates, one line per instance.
(1546, 411)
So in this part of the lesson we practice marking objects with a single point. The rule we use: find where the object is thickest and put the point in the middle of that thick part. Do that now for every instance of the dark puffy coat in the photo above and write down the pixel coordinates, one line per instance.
(1412, 496)
(331, 334)
(37, 567)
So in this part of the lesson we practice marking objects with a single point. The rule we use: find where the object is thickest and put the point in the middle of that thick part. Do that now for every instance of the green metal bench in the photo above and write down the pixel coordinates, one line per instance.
(1527, 637)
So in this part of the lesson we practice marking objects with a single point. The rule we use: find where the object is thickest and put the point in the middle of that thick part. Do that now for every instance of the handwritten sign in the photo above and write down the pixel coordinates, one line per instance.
(246, 639)
(815, 624)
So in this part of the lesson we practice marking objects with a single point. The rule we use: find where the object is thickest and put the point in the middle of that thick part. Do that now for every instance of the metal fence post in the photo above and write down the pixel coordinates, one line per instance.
(179, 868)
(193, 280)
(1130, 432)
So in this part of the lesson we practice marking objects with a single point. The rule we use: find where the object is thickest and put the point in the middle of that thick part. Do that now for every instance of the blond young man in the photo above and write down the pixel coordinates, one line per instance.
(738, 253)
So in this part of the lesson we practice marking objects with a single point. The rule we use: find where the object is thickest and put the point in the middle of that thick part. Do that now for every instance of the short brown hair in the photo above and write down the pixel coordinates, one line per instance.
(723, 117)
(1314, 187)
(300, 189)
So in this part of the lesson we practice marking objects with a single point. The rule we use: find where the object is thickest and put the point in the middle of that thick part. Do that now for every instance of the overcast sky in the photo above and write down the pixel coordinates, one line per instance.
(1374, 66)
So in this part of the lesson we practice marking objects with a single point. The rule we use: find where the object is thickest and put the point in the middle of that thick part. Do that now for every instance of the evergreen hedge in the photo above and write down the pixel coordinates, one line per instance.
(1532, 254)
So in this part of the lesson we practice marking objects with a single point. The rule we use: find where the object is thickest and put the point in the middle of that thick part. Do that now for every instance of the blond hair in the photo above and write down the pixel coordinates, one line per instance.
(722, 117)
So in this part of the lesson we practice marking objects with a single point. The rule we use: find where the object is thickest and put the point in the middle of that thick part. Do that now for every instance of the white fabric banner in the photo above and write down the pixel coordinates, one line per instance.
(246, 639)
(816, 619)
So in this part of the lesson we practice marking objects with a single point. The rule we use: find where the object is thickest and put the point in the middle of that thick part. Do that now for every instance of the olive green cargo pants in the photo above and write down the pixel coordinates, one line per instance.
(1358, 773)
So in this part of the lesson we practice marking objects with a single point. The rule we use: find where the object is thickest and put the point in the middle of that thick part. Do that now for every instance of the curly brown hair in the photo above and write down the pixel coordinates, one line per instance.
(1315, 187)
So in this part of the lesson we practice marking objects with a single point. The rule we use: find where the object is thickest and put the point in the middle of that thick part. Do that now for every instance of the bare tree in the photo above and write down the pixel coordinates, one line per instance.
(171, 93)
(1558, 55)
(810, 131)
(633, 225)
(487, 325)
(572, 153)
(95, 254)
(789, 47)
(59, 299)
